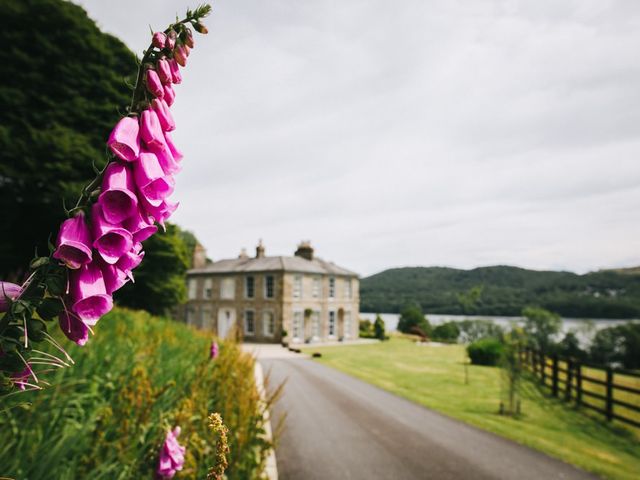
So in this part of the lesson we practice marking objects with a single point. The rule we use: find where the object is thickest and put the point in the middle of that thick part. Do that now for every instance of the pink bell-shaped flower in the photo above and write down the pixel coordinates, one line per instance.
(171, 40)
(161, 212)
(114, 276)
(159, 40)
(129, 262)
(124, 140)
(154, 85)
(169, 94)
(73, 327)
(111, 241)
(151, 179)
(88, 293)
(171, 455)
(177, 154)
(140, 227)
(8, 293)
(164, 71)
(151, 130)
(73, 246)
(164, 115)
(118, 200)
(214, 350)
(176, 76)
(180, 55)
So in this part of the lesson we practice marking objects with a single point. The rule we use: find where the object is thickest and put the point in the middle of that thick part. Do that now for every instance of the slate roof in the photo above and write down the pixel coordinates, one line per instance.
(270, 264)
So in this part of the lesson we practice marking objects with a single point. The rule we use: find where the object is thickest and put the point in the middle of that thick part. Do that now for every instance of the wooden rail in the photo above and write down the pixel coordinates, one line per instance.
(612, 393)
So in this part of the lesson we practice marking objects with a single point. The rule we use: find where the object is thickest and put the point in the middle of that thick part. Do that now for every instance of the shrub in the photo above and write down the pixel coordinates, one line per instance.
(106, 416)
(365, 329)
(486, 351)
(447, 332)
(412, 317)
(379, 328)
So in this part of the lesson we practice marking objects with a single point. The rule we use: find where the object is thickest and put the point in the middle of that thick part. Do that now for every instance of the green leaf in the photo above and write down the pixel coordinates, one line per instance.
(36, 329)
(38, 262)
(55, 284)
(50, 308)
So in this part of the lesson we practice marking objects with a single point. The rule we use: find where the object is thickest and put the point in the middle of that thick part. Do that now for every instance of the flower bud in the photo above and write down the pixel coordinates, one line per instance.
(154, 85)
(169, 94)
(200, 28)
(188, 38)
(176, 76)
(180, 55)
(159, 40)
(171, 40)
(164, 72)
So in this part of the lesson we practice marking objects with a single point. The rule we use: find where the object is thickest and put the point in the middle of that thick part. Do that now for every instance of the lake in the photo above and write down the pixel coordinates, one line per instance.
(584, 328)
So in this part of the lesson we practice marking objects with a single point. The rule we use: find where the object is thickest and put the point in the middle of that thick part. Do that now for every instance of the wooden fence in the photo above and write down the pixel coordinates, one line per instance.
(614, 393)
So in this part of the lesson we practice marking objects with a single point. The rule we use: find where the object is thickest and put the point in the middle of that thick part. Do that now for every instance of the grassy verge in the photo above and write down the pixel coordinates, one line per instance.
(105, 417)
(434, 376)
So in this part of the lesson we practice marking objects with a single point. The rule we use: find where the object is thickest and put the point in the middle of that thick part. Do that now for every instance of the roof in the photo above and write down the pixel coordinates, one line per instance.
(266, 264)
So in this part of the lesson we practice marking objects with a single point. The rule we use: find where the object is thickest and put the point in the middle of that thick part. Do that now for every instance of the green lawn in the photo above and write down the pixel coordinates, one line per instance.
(434, 376)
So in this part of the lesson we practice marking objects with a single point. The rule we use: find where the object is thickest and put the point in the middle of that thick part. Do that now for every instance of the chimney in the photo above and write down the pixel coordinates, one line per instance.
(199, 259)
(260, 250)
(243, 254)
(305, 250)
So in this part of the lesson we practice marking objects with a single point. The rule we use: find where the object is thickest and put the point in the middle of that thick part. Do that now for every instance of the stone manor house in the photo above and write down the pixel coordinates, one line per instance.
(259, 297)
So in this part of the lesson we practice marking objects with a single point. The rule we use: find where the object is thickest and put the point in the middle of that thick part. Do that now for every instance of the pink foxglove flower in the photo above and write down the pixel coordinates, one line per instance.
(8, 293)
(151, 130)
(21, 379)
(177, 154)
(151, 179)
(118, 199)
(171, 40)
(73, 327)
(168, 163)
(176, 76)
(214, 351)
(88, 293)
(111, 241)
(159, 40)
(114, 276)
(164, 71)
(124, 140)
(180, 55)
(161, 212)
(74, 242)
(169, 94)
(171, 455)
(130, 262)
(140, 227)
(164, 115)
(154, 85)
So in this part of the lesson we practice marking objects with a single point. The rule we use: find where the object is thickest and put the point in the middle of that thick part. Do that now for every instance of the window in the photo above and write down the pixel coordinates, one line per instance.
(347, 324)
(332, 287)
(268, 323)
(205, 318)
(249, 322)
(348, 289)
(315, 325)
(192, 289)
(191, 316)
(297, 325)
(317, 287)
(249, 287)
(227, 288)
(332, 323)
(297, 286)
(208, 288)
(269, 286)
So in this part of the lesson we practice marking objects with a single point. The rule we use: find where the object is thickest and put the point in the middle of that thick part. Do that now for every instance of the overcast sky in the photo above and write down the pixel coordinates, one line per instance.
(455, 133)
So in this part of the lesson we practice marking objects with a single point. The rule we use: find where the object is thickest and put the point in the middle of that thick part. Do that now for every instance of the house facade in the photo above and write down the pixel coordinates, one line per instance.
(258, 297)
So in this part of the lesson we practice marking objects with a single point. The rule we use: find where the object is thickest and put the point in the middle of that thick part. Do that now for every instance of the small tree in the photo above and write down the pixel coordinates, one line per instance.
(411, 317)
(447, 332)
(512, 371)
(540, 326)
(379, 329)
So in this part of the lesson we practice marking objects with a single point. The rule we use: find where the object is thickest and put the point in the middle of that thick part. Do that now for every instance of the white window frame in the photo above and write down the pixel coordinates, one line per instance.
(316, 327)
(268, 323)
(192, 289)
(347, 324)
(206, 320)
(208, 288)
(316, 287)
(297, 321)
(250, 279)
(191, 314)
(348, 288)
(228, 288)
(273, 286)
(332, 325)
(332, 288)
(248, 332)
(297, 286)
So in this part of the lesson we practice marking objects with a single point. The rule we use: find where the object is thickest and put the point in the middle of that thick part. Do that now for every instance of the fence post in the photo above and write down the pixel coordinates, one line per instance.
(567, 393)
(579, 384)
(543, 366)
(609, 394)
(554, 373)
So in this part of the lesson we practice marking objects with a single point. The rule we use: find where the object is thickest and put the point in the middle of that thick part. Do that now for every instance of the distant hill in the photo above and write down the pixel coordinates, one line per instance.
(504, 290)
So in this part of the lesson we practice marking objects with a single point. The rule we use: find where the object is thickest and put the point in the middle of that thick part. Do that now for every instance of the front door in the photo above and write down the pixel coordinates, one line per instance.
(226, 321)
